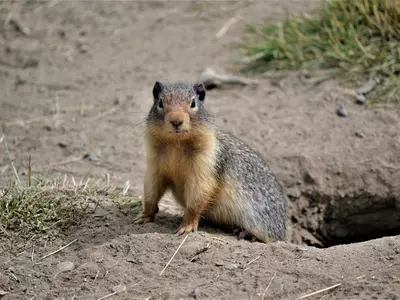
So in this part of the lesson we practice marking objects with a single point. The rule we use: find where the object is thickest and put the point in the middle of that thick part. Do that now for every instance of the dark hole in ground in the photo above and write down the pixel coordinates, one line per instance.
(325, 221)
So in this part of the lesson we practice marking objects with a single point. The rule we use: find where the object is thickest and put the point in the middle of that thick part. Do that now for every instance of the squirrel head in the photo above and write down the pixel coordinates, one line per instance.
(178, 110)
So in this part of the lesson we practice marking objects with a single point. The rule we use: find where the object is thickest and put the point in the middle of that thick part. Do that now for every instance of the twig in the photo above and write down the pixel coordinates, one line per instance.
(126, 188)
(112, 294)
(250, 262)
(97, 275)
(3, 138)
(269, 284)
(25, 122)
(58, 250)
(103, 114)
(33, 252)
(319, 291)
(12, 258)
(198, 252)
(4, 230)
(218, 239)
(30, 170)
(226, 27)
(173, 255)
(64, 162)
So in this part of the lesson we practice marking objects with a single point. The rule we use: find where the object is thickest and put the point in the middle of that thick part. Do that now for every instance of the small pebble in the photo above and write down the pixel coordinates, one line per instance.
(367, 87)
(65, 266)
(231, 266)
(360, 134)
(360, 99)
(84, 48)
(90, 157)
(341, 111)
(62, 145)
(219, 263)
(119, 288)
(193, 294)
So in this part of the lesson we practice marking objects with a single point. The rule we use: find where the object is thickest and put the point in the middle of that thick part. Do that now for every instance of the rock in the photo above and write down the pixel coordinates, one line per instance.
(367, 87)
(90, 157)
(359, 134)
(65, 266)
(191, 248)
(231, 266)
(193, 294)
(360, 99)
(341, 112)
(219, 263)
(20, 26)
(311, 178)
(30, 63)
(62, 145)
(310, 239)
(133, 260)
(293, 192)
(119, 288)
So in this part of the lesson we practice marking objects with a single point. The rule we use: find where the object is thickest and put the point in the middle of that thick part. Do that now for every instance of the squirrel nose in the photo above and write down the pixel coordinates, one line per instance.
(176, 123)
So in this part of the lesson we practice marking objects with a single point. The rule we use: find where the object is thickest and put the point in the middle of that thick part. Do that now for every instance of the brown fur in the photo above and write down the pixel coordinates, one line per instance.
(183, 149)
(187, 166)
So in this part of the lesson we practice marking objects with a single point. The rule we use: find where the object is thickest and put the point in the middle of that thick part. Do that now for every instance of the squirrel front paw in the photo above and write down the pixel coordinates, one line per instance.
(187, 227)
(143, 219)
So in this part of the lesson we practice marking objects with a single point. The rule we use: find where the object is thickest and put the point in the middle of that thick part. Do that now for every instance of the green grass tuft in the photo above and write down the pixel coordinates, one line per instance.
(47, 208)
(360, 38)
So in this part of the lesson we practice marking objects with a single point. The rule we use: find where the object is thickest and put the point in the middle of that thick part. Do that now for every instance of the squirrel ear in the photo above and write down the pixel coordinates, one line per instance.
(157, 89)
(200, 91)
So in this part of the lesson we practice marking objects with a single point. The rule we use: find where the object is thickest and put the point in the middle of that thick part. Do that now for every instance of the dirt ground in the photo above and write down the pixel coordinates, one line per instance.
(76, 78)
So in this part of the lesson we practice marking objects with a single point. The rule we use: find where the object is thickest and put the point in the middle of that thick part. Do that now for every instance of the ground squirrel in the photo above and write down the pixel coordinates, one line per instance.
(211, 173)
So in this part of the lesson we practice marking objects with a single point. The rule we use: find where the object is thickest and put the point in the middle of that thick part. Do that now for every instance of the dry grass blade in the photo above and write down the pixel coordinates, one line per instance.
(250, 262)
(59, 249)
(269, 284)
(172, 257)
(224, 29)
(319, 291)
(112, 294)
(64, 162)
(200, 251)
(3, 139)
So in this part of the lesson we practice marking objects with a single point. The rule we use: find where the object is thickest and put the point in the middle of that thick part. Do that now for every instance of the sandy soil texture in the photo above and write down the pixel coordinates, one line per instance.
(76, 80)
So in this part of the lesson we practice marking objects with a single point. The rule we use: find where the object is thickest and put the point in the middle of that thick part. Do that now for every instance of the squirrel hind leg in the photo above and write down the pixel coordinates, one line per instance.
(243, 234)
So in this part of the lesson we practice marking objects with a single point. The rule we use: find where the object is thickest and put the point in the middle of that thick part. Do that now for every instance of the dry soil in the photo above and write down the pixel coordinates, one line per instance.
(76, 78)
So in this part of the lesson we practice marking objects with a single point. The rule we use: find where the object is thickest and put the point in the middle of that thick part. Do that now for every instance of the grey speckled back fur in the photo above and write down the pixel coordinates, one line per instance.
(262, 197)
(259, 204)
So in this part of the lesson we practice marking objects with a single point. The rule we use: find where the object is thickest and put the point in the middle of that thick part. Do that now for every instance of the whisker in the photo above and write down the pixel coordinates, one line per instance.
(136, 125)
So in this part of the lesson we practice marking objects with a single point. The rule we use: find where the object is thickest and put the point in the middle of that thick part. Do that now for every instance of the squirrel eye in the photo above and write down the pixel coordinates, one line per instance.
(193, 105)
(160, 104)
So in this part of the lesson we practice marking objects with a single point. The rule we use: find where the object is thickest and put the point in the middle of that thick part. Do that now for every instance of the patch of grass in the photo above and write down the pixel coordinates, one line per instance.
(359, 38)
(49, 207)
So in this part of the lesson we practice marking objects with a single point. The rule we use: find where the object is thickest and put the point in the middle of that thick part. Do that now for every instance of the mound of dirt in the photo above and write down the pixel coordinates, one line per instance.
(111, 255)
(77, 79)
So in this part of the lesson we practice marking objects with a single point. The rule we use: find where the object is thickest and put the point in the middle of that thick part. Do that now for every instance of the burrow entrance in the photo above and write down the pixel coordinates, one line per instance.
(325, 221)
